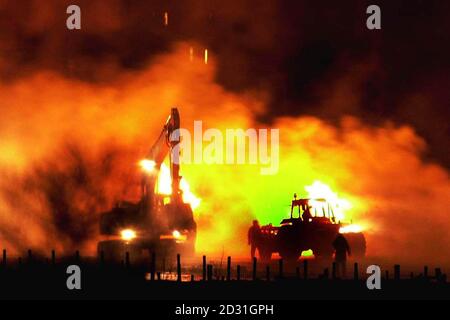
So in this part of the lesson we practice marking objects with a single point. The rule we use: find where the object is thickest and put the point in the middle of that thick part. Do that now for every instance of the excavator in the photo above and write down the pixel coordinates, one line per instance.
(158, 224)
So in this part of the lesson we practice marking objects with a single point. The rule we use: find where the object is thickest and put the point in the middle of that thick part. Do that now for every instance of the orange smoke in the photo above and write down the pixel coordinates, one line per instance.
(61, 135)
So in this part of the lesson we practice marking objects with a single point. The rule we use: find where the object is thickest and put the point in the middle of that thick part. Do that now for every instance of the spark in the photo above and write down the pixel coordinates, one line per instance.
(166, 19)
(191, 54)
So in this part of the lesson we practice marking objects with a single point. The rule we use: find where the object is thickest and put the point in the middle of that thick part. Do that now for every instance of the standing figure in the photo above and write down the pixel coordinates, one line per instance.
(341, 248)
(306, 216)
(254, 234)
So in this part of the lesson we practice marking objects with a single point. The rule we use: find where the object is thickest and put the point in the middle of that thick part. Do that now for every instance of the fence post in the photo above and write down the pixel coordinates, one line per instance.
(268, 273)
(204, 268)
(425, 272)
(4, 258)
(238, 272)
(397, 272)
(53, 257)
(229, 269)
(178, 267)
(254, 268)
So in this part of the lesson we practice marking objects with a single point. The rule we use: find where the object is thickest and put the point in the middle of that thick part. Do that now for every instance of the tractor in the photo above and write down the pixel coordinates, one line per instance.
(313, 228)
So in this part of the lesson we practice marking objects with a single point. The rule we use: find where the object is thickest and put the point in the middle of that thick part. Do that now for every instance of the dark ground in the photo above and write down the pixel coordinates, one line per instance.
(46, 279)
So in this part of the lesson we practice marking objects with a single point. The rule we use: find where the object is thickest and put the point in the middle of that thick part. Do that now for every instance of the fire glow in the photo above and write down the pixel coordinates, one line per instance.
(147, 165)
(319, 190)
(164, 187)
(385, 193)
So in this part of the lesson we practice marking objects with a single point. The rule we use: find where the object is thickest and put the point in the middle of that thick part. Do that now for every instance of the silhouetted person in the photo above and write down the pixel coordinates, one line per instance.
(341, 248)
(254, 234)
(307, 214)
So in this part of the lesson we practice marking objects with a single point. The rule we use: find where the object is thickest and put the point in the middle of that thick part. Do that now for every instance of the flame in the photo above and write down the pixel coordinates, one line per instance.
(206, 56)
(319, 190)
(117, 124)
(188, 196)
(166, 19)
(191, 54)
(352, 228)
(164, 187)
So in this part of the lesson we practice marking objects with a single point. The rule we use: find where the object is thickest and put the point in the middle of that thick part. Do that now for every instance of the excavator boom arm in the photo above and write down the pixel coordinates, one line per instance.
(166, 144)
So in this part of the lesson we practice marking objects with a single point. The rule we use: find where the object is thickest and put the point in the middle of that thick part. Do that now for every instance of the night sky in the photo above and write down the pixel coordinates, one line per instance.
(293, 50)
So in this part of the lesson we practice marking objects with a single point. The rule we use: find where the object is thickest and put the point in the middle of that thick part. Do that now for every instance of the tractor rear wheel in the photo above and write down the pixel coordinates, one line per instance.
(357, 243)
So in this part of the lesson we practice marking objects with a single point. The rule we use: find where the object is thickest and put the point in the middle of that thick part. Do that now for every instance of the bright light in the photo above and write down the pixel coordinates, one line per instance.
(165, 187)
(176, 234)
(166, 18)
(147, 165)
(319, 190)
(307, 254)
(164, 181)
(191, 54)
(352, 228)
(128, 234)
(188, 196)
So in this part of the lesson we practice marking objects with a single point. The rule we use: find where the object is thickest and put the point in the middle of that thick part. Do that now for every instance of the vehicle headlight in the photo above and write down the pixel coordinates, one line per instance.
(128, 234)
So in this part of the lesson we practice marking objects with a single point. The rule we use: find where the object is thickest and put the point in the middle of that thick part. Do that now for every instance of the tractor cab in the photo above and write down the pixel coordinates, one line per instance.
(316, 210)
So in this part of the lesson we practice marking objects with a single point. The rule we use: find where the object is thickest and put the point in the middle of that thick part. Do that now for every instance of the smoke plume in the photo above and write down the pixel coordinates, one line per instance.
(69, 150)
